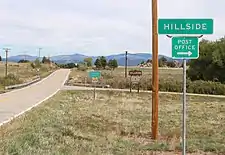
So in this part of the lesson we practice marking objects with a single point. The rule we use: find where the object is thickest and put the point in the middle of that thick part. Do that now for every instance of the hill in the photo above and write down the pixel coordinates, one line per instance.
(21, 57)
(133, 59)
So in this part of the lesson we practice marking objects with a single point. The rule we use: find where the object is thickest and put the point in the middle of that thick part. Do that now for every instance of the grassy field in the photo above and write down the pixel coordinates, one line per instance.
(164, 73)
(116, 123)
(114, 77)
(23, 72)
(170, 80)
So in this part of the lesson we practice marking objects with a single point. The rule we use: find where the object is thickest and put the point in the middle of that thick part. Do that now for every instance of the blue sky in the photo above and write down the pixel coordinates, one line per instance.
(98, 27)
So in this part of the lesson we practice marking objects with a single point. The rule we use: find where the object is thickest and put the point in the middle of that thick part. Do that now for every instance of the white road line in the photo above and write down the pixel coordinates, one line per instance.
(17, 115)
(67, 76)
(31, 84)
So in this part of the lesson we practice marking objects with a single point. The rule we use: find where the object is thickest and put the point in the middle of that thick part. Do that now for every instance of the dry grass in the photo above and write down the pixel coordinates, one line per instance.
(170, 80)
(164, 73)
(117, 76)
(24, 72)
(116, 123)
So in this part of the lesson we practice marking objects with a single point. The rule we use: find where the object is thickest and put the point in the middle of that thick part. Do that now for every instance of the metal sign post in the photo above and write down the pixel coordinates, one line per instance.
(94, 80)
(184, 109)
(95, 76)
(130, 85)
(85, 81)
(185, 47)
(138, 87)
(94, 89)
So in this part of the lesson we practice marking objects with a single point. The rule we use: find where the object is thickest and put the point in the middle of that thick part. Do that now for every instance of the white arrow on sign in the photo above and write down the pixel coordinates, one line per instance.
(189, 53)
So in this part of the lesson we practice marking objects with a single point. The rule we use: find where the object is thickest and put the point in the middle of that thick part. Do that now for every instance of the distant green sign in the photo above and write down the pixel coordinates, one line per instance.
(185, 26)
(185, 48)
(94, 74)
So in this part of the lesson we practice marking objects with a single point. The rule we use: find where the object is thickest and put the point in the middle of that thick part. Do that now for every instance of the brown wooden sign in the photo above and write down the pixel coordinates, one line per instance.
(135, 73)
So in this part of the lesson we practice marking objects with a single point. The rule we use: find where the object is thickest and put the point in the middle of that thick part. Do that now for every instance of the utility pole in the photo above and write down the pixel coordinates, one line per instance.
(126, 64)
(155, 76)
(6, 61)
(39, 56)
(39, 53)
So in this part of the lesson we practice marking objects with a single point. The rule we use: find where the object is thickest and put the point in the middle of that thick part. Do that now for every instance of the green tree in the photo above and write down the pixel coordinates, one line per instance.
(70, 65)
(36, 64)
(88, 61)
(149, 61)
(210, 66)
(113, 63)
(82, 67)
(23, 61)
(98, 63)
(142, 62)
(44, 59)
(103, 61)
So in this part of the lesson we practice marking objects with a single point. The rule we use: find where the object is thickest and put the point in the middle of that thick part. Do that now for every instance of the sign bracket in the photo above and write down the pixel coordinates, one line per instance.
(169, 36)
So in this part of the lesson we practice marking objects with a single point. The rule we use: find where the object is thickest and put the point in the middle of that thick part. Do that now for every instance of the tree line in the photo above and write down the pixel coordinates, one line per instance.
(44, 60)
(101, 63)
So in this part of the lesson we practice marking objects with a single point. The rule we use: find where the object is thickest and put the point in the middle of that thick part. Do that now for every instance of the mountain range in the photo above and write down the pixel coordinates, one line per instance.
(133, 59)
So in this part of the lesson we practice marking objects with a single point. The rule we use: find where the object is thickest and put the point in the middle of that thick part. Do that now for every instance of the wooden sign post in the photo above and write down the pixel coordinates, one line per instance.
(135, 76)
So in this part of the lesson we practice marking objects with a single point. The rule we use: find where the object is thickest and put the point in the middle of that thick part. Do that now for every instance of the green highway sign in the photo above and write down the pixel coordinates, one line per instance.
(185, 26)
(94, 74)
(185, 48)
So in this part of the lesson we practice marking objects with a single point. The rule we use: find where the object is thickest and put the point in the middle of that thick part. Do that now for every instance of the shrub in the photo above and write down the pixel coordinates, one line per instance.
(32, 65)
(168, 85)
(107, 68)
(82, 67)
(11, 79)
(36, 64)
(106, 75)
(206, 87)
(23, 61)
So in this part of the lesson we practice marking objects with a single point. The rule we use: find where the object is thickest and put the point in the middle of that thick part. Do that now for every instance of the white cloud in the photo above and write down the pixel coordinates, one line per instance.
(95, 27)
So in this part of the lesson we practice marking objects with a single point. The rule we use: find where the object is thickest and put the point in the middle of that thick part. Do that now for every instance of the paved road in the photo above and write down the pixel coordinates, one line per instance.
(127, 90)
(16, 102)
